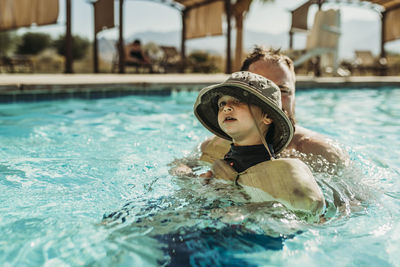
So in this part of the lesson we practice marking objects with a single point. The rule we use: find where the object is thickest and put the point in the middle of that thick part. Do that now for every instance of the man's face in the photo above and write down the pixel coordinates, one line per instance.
(280, 74)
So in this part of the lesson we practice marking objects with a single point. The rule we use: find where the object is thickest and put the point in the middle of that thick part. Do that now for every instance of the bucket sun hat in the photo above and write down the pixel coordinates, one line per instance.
(250, 88)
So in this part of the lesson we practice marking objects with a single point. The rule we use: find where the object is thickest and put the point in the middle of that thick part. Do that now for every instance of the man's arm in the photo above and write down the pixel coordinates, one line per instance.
(309, 142)
(304, 141)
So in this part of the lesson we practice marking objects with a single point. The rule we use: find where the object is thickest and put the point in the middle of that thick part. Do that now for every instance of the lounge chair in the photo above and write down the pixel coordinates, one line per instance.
(323, 40)
(366, 63)
(17, 63)
(139, 65)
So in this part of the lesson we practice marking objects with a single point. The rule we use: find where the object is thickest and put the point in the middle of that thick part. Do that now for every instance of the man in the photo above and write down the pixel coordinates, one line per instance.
(246, 109)
(306, 144)
(134, 56)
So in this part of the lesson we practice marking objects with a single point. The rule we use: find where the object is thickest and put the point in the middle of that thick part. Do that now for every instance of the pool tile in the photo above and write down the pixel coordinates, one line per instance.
(7, 98)
(25, 97)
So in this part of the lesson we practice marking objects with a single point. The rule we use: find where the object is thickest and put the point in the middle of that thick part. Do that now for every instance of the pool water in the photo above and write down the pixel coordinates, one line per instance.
(86, 182)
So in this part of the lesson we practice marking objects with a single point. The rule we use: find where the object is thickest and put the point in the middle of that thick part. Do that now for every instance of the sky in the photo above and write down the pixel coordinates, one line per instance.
(142, 15)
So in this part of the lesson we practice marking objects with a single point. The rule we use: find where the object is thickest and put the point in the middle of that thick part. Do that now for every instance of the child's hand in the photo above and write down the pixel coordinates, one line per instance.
(208, 174)
(207, 177)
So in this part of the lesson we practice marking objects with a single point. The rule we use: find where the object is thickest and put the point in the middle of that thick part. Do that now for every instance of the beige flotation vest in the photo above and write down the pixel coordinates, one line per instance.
(288, 181)
(214, 148)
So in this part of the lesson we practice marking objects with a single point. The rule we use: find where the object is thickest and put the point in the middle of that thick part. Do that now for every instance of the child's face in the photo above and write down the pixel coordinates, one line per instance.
(235, 119)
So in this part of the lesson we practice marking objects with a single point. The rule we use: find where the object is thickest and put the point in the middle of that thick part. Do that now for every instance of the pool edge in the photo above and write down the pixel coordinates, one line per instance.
(35, 87)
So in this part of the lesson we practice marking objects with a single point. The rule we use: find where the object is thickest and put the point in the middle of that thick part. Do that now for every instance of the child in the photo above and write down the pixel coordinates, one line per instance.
(246, 109)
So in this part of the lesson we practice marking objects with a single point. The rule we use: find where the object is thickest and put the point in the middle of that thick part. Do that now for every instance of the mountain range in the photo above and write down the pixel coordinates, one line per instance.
(355, 35)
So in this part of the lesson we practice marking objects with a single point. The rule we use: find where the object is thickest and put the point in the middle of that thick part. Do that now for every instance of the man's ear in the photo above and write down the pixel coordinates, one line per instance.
(267, 120)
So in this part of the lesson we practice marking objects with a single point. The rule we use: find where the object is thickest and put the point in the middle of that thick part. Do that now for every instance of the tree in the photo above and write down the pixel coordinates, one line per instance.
(80, 46)
(239, 11)
(33, 43)
(8, 41)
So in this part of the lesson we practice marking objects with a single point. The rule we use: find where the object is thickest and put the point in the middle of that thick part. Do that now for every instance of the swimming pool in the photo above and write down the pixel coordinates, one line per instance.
(86, 182)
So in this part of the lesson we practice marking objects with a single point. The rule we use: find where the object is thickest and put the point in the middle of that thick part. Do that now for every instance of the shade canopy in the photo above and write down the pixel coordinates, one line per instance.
(391, 21)
(390, 10)
(386, 4)
(103, 15)
(392, 25)
(299, 17)
(23, 13)
(202, 17)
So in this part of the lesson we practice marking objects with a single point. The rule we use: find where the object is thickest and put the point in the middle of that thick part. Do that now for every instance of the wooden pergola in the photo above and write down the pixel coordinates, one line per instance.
(186, 8)
(389, 11)
(20, 13)
(200, 18)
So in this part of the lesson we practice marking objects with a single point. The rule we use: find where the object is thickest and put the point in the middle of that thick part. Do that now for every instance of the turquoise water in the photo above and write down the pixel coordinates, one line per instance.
(87, 183)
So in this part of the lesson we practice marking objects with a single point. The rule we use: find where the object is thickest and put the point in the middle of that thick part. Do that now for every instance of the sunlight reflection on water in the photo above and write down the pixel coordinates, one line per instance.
(66, 164)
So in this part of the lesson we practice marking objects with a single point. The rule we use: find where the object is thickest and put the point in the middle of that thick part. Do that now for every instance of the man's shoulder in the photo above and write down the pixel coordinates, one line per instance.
(310, 142)
(302, 135)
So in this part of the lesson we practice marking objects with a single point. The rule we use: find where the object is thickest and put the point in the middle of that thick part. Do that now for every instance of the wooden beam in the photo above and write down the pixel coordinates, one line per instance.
(393, 7)
(206, 2)
(121, 52)
(320, 2)
(383, 27)
(228, 13)
(95, 44)
(68, 40)
(183, 42)
(290, 40)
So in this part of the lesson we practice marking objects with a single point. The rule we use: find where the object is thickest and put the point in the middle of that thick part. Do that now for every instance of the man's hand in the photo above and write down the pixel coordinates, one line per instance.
(181, 170)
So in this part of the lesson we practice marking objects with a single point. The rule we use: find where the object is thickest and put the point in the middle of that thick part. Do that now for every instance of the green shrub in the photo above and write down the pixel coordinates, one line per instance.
(202, 62)
(80, 46)
(33, 43)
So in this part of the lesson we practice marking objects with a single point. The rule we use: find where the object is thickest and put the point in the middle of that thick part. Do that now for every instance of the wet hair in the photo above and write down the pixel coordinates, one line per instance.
(269, 54)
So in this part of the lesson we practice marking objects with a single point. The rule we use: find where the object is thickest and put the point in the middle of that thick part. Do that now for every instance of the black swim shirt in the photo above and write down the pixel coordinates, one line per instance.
(241, 158)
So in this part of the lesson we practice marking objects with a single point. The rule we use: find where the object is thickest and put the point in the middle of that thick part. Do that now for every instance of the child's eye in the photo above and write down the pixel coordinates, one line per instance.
(285, 91)
(221, 104)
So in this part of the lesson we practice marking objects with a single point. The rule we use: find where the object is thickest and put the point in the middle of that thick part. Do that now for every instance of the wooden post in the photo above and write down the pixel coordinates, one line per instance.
(95, 44)
(121, 63)
(290, 40)
(320, 4)
(383, 27)
(228, 12)
(382, 60)
(317, 61)
(183, 42)
(68, 40)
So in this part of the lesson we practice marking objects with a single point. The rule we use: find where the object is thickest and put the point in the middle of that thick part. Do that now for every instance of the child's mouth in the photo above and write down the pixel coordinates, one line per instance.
(228, 119)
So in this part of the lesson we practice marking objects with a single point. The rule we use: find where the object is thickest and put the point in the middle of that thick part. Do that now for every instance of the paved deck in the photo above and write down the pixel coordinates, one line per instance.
(48, 81)
(55, 81)
(28, 87)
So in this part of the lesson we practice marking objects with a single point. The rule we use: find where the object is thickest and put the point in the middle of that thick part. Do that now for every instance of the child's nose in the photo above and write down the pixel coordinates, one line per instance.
(227, 108)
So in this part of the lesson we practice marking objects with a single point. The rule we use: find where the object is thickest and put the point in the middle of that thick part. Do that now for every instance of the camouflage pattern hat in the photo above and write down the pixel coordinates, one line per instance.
(250, 88)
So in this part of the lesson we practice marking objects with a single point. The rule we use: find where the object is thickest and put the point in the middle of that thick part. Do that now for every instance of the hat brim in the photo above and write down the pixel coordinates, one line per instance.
(205, 109)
